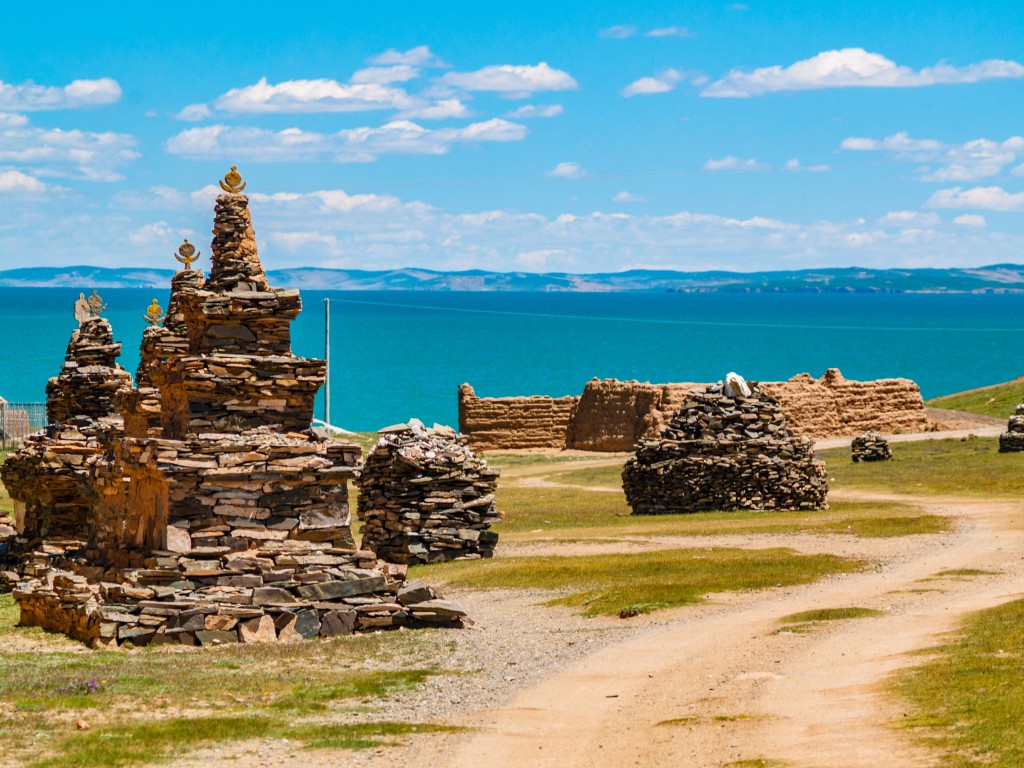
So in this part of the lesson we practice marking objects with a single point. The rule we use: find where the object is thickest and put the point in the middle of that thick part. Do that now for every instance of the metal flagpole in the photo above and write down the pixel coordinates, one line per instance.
(327, 360)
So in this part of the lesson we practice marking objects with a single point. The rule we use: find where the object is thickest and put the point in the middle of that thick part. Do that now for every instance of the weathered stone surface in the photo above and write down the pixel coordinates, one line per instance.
(259, 630)
(870, 446)
(1012, 440)
(337, 623)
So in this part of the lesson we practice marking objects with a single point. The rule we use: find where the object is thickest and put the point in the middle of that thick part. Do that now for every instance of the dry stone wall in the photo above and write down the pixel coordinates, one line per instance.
(612, 415)
(1012, 440)
(871, 446)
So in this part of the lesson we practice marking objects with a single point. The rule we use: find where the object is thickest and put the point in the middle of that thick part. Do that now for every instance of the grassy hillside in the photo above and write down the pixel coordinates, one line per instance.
(998, 400)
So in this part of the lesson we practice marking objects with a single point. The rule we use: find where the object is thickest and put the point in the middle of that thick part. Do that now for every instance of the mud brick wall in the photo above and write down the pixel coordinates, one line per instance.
(494, 423)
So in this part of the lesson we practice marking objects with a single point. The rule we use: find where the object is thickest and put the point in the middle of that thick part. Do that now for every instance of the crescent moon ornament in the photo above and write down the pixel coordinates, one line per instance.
(232, 182)
(154, 313)
(186, 254)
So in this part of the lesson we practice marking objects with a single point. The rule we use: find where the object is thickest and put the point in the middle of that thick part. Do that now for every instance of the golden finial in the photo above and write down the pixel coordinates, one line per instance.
(96, 305)
(154, 313)
(187, 254)
(233, 181)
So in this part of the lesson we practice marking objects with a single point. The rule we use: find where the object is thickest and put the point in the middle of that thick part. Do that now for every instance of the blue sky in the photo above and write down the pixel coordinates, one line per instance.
(570, 136)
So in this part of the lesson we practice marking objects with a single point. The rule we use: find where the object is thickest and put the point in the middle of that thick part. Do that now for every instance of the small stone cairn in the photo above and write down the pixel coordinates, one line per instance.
(727, 447)
(424, 497)
(1012, 440)
(870, 446)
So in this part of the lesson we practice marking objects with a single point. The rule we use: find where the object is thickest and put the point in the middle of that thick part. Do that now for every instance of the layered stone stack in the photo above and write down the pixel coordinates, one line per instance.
(870, 446)
(725, 452)
(222, 516)
(1012, 440)
(424, 497)
(49, 479)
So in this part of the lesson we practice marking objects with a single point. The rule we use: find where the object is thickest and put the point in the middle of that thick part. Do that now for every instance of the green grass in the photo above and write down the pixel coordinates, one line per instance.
(966, 572)
(999, 400)
(830, 614)
(966, 700)
(971, 468)
(628, 584)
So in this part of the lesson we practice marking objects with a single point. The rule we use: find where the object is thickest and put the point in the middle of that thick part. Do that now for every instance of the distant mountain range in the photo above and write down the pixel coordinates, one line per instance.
(997, 278)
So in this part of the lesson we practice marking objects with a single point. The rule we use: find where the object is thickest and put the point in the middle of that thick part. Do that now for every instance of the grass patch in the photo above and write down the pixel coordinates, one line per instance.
(999, 400)
(966, 699)
(145, 743)
(757, 762)
(966, 572)
(937, 467)
(830, 614)
(643, 582)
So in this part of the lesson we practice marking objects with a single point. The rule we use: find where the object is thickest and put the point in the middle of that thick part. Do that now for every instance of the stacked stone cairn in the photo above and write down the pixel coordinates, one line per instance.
(726, 448)
(870, 446)
(220, 516)
(425, 497)
(1012, 440)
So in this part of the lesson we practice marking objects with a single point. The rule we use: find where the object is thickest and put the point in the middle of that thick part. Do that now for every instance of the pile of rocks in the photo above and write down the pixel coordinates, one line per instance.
(219, 515)
(870, 446)
(90, 378)
(725, 450)
(1012, 440)
(424, 496)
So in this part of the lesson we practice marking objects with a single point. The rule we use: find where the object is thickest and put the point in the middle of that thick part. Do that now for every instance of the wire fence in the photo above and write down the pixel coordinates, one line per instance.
(18, 420)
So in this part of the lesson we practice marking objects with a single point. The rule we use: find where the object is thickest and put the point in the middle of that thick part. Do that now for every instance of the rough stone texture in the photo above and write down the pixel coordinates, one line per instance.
(425, 497)
(612, 415)
(870, 446)
(492, 423)
(1012, 440)
(220, 516)
(720, 452)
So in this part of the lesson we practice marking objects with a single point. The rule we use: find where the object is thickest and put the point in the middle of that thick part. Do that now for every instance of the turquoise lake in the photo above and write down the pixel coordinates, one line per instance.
(395, 355)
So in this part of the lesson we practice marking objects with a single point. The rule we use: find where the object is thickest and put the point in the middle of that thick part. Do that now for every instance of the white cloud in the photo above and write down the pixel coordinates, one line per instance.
(195, 112)
(513, 80)
(74, 153)
(11, 120)
(29, 97)
(310, 96)
(528, 111)
(854, 68)
(628, 197)
(669, 32)
(618, 32)
(537, 260)
(400, 73)
(970, 220)
(662, 81)
(911, 219)
(420, 56)
(981, 198)
(732, 163)
(152, 233)
(794, 165)
(16, 181)
(346, 146)
(976, 159)
(568, 171)
(439, 110)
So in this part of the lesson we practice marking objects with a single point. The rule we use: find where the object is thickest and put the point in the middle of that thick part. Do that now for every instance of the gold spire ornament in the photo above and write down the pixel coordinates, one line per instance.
(186, 254)
(233, 183)
(154, 314)
(96, 305)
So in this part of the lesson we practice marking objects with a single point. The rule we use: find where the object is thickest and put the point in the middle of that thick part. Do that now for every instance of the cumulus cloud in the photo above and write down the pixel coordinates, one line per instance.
(911, 219)
(981, 198)
(439, 110)
(152, 233)
(400, 73)
(79, 94)
(420, 56)
(16, 181)
(628, 197)
(733, 163)
(972, 160)
(970, 220)
(618, 32)
(10, 120)
(512, 80)
(74, 153)
(194, 113)
(346, 146)
(662, 81)
(567, 171)
(854, 68)
(529, 111)
(310, 96)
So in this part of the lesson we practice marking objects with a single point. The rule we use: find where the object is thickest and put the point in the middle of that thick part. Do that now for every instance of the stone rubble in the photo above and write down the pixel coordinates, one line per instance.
(1012, 440)
(424, 497)
(205, 511)
(871, 446)
(722, 453)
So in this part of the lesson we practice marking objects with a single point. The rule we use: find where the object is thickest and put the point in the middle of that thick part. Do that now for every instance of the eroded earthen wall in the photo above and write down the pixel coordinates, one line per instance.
(494, 423)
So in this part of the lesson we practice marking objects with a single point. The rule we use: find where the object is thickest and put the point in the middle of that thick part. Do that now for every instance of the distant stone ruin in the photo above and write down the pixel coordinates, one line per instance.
(425, 497)
(611, 415)
(724, 451)
(199, 508)
(871, 446)
(1012, 440)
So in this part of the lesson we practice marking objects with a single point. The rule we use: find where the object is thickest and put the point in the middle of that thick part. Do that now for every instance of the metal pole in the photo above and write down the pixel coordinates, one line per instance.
(327, 360)
(3, 425)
